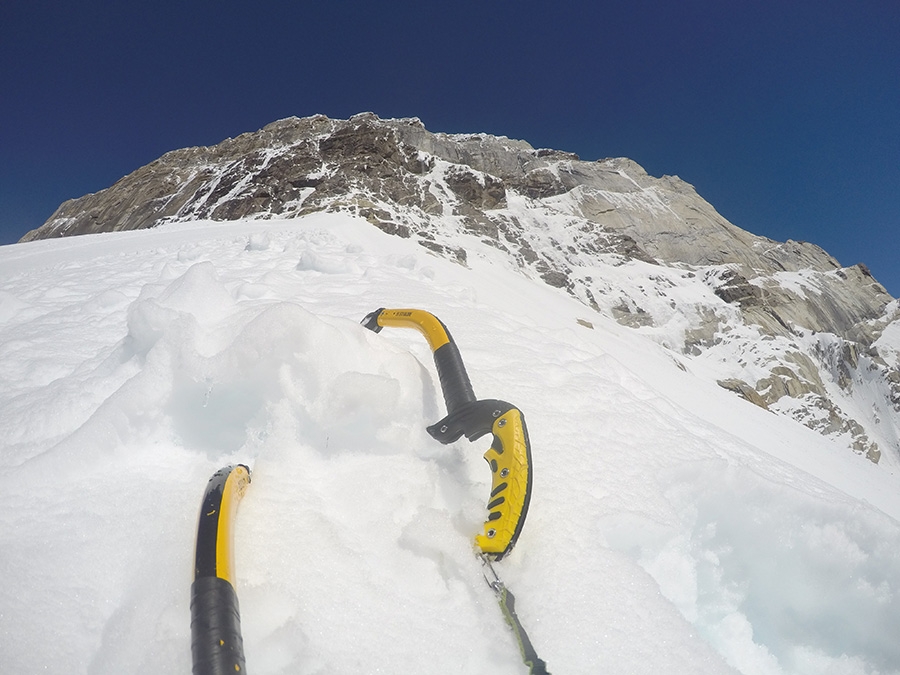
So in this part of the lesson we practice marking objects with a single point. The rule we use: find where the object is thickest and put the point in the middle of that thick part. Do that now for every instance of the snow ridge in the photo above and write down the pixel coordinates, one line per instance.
(648, 252)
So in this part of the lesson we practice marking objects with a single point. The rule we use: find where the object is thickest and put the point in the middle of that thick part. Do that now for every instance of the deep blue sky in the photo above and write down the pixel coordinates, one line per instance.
(784, 114)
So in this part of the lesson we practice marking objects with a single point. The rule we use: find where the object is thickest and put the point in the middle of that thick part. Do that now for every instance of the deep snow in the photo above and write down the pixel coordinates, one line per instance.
(673, 527)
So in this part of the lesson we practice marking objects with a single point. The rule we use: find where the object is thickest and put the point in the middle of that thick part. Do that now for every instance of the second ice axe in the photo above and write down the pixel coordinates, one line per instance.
(509, 456)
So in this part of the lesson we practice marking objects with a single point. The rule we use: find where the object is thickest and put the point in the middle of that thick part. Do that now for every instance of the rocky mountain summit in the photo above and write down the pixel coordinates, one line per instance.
(782, 324)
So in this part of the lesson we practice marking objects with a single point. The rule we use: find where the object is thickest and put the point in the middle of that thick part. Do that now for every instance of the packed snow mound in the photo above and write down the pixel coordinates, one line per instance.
(673, 527)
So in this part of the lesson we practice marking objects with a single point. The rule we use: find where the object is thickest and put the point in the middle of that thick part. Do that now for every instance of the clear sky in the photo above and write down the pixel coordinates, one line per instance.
(784, 114)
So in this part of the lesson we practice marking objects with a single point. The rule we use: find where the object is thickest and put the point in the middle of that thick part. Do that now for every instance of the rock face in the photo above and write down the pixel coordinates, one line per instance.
(781, 324)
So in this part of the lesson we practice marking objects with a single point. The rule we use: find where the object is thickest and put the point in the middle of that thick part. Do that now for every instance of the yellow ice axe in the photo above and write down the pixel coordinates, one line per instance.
(510, 453)
(216, 642)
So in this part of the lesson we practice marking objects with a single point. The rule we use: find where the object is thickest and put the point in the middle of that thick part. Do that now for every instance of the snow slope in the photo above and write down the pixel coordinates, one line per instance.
(673, 526)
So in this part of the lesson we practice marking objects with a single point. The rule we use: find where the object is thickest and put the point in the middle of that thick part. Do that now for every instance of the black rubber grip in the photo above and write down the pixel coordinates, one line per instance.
(216, 642)
(454, 379)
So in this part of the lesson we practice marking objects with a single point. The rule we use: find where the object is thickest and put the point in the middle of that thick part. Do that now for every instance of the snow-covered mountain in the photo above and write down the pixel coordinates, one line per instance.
(673, 526)
(782, 324)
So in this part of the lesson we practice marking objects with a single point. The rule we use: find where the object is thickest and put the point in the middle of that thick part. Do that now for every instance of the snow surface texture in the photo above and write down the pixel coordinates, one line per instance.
(673, 527)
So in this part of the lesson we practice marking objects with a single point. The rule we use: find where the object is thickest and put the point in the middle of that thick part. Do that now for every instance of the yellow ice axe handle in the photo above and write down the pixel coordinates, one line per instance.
(509, 458)
(216, 642)
(510, 453)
